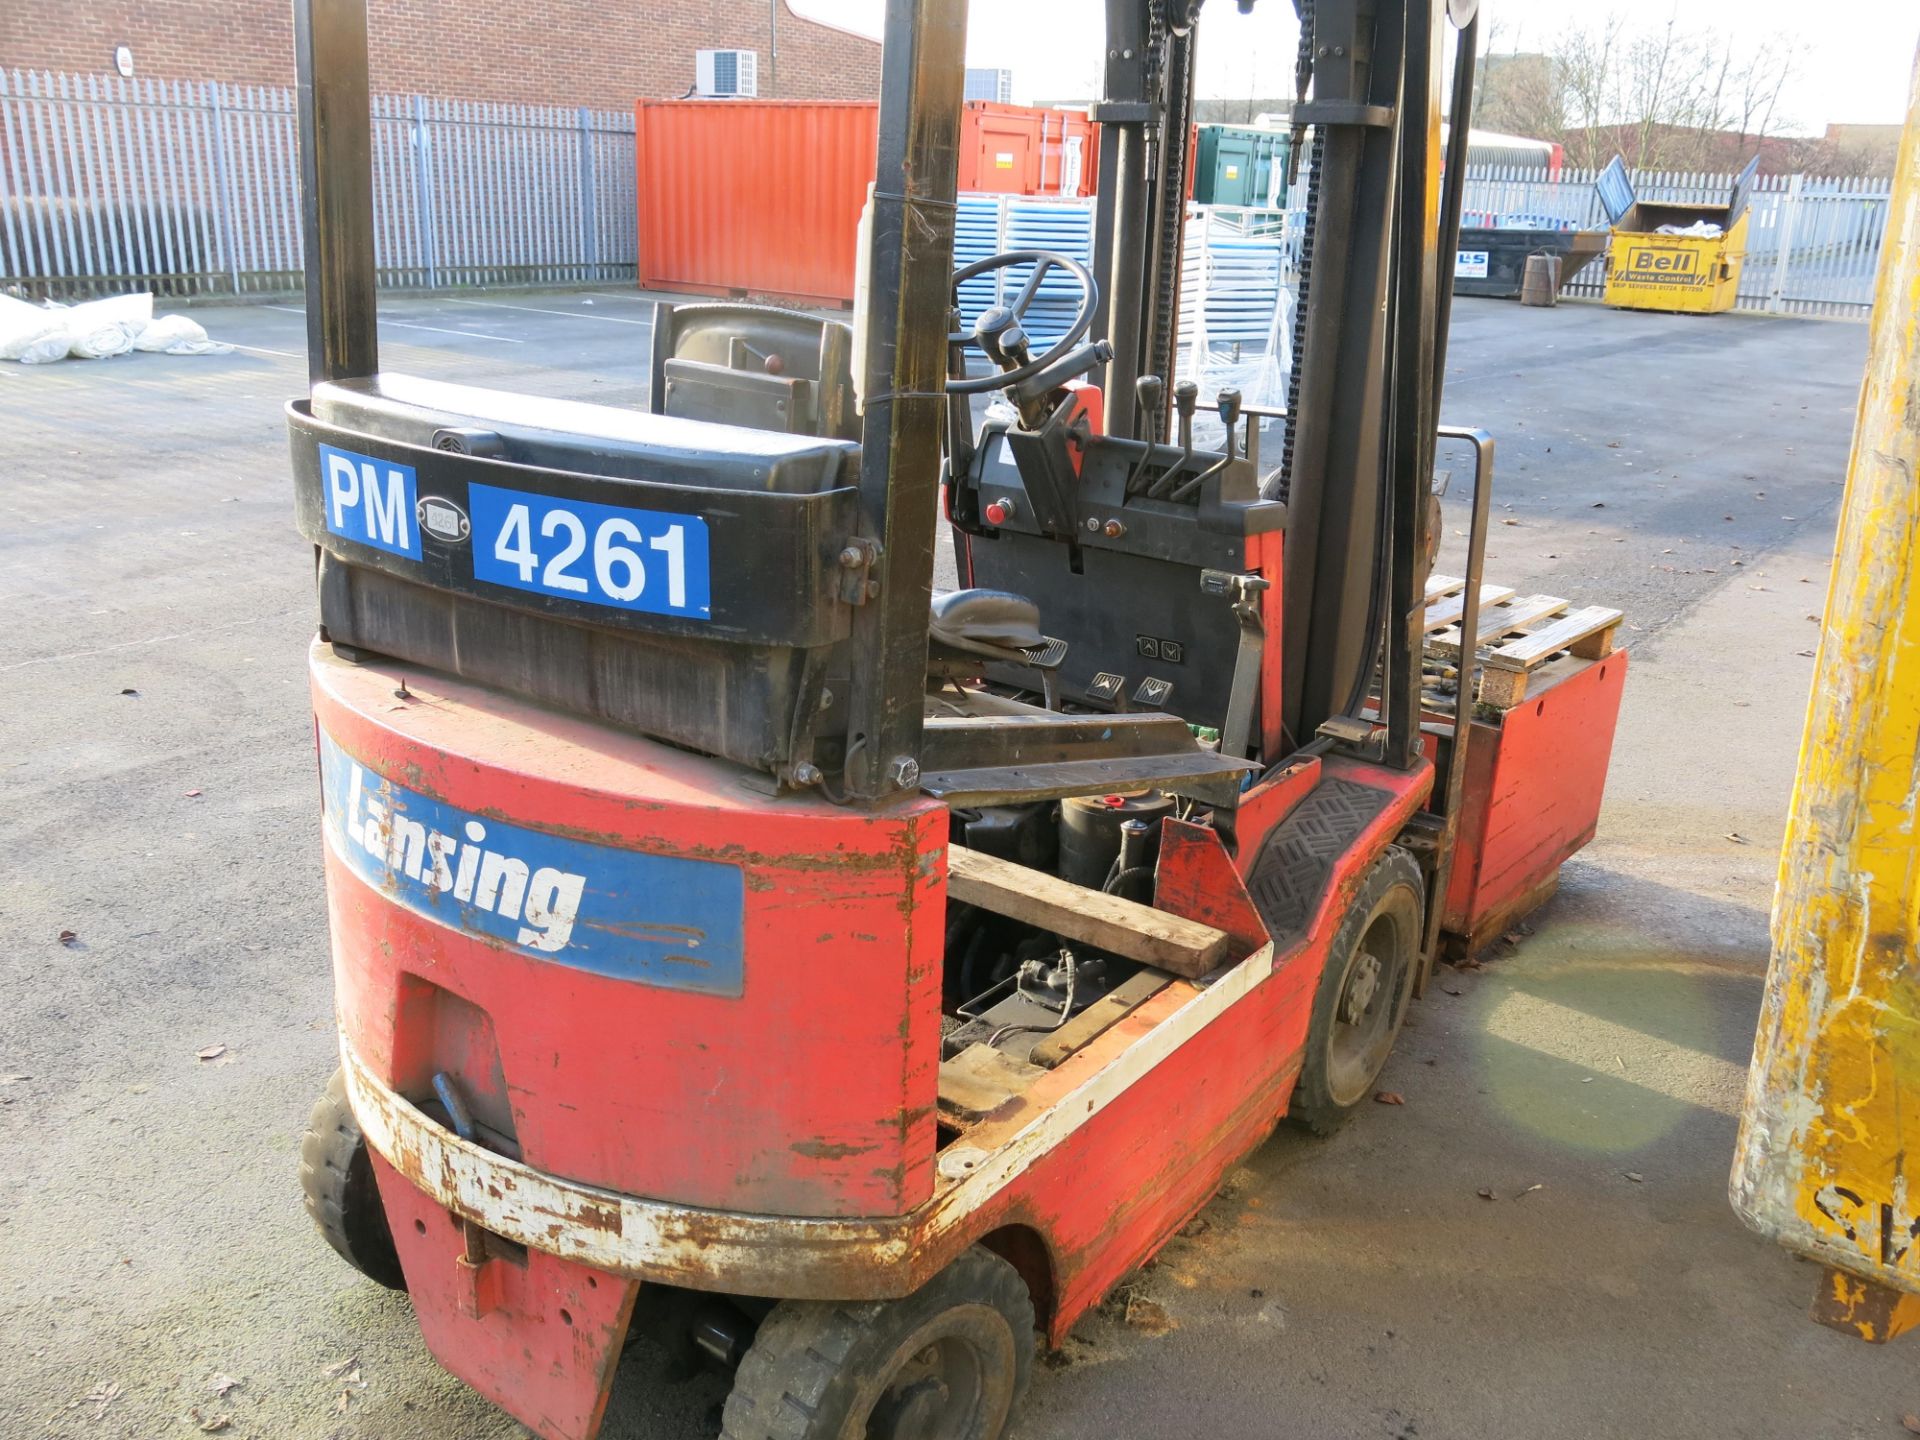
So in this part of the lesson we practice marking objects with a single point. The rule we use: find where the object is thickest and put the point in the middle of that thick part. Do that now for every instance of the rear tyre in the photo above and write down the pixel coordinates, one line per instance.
(336, 1177)
(1363, 996)
(947, 1362)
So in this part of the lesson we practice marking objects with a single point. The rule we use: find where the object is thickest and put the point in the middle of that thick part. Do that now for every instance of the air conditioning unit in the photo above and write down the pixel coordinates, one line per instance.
(726, 72)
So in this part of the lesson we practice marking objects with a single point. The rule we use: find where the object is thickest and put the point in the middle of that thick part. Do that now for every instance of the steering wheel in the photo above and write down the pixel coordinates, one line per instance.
(999, 319)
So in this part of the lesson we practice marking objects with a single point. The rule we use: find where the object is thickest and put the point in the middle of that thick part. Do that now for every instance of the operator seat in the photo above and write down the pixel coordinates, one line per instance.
(758, 366)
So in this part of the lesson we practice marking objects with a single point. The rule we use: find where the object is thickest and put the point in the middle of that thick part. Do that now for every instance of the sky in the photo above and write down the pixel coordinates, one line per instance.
(1856, 56)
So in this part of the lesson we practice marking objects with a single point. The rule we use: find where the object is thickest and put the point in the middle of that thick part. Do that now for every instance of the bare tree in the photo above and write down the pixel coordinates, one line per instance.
(1664, 96)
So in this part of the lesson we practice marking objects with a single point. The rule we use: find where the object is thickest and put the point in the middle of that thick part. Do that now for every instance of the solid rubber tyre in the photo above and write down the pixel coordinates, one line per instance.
(1386, 918)
(336, 1178)
(822, 1370)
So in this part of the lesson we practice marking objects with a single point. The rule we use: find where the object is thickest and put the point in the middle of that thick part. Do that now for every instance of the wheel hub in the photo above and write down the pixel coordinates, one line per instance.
(1362, 985)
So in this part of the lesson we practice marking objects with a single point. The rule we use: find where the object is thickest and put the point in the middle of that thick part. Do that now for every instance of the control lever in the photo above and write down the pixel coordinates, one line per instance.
(1228, 403)
(1186, 399)
(1150, 394)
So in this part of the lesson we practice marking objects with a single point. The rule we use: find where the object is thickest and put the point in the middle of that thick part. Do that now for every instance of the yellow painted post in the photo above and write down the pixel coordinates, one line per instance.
(1829, 1151)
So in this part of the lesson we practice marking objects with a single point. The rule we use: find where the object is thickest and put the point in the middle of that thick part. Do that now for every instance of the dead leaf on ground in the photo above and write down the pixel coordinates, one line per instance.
(1736, 837)
(221, 1384)
(1448, 989)
(346, 1399)
(69, 938)
(211, 1424)
(193, 794)
(129, 691)
(341, 1367)
(1613, 444)
(1147, 1315)
(1910, 1423)
(1599, 505)
(1389, 1097)
(100, 1397)
(1486, 1193)
(1509, 521)
(1528, 1191)
(1634, 1175)
(1808, 653)
(210, 1052)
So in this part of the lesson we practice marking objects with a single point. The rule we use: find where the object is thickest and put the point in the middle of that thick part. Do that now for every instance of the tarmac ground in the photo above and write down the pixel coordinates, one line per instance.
(1537, 1243)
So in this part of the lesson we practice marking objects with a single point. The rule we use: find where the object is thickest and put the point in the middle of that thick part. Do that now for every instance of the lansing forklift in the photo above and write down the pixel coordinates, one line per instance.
(736, 942)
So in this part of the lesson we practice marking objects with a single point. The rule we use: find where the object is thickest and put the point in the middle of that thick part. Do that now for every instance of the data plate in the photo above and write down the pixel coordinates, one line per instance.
(602, 554)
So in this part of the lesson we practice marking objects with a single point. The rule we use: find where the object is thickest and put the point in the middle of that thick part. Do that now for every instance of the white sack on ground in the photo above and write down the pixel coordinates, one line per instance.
(97, 330)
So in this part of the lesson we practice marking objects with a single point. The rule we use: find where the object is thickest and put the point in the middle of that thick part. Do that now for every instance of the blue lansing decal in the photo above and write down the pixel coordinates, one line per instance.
(647, 560)
(656, 919)
(370, 500)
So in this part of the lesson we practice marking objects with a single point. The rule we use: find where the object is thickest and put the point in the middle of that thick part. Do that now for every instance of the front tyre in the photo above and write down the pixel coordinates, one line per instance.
(1363, 996)
(947, 1362)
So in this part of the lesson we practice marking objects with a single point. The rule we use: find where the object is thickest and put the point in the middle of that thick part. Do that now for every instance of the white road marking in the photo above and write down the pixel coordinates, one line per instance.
(262, 350)
(539, 310)
(463, 334)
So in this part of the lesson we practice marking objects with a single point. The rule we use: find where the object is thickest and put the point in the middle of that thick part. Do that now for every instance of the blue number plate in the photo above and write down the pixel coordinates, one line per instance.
(656, 919)
(600, 554)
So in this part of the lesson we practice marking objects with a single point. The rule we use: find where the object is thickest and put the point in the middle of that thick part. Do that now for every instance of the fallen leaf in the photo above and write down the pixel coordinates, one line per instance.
(212, 1424)
(1613, 444)
(1910, 1423)
(1389, 1097)
(100, 1397)
(1736, 837)
(129, 692)
(210, 1052)
(192, 794)
(13, 1079)
(1599, 505)
(221, 1384)
(1449, 990)
(1486, 1193)
(1634, 1175)
(1808, 653)
(1148, 1315)
(340, 1367)
(69, 939)
(346, 1399)
(1528, 1191)
(1507, 520)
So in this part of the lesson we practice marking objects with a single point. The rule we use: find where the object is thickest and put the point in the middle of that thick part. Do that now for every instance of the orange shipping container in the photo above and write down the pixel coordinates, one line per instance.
(753, 197)
(763, 197)
(1020, 150)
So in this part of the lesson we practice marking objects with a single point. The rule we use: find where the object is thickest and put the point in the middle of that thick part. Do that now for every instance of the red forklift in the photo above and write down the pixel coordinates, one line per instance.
(739, 943)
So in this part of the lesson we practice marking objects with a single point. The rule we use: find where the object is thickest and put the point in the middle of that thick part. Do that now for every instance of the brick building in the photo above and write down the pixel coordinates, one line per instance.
(589, 52)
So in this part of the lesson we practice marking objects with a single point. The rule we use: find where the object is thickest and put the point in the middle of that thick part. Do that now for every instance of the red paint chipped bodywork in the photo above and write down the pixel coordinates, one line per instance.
(648, 1090)
(1532, 799)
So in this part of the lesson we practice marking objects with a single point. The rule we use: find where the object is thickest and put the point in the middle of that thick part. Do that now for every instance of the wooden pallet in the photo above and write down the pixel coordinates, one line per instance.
(1515, 637)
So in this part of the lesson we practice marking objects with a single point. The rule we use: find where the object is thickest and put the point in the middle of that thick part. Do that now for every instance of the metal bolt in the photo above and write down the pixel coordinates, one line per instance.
(1114, 529)
(826, 699)
(806, 773)
(852, 558)
(1093, 524)
(904, 772)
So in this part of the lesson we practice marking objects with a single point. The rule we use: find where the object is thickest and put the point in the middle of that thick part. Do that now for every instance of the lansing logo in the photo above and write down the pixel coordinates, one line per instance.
(545, 900)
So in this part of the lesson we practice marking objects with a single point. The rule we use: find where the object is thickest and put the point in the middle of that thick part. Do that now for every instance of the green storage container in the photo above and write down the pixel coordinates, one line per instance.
(1239, 165)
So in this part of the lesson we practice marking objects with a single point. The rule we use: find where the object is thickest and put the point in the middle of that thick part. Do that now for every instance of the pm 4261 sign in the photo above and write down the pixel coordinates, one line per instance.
(611, 555)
